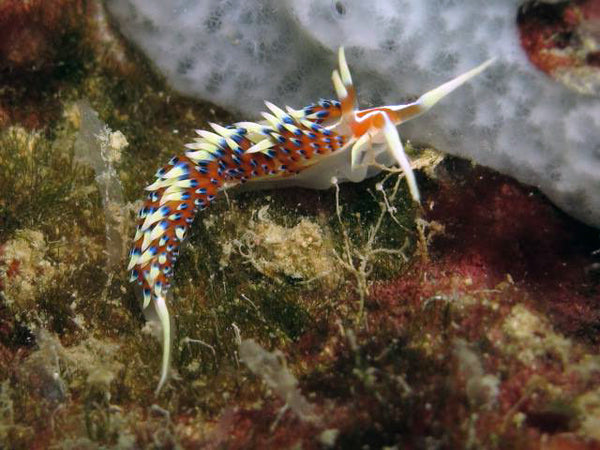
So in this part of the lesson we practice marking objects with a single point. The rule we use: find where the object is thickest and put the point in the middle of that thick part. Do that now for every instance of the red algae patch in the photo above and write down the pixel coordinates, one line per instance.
(563, 40)
(464, 348)
(30, 30)
(496, 228)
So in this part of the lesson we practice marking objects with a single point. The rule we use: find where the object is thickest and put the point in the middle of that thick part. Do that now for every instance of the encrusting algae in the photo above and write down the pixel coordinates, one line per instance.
(302, 253)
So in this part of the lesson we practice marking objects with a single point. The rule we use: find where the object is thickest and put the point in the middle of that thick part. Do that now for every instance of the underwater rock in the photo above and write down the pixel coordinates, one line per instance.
(563, 40)
(513, 118)
(25, 269)
(40, 54)
(31, 32)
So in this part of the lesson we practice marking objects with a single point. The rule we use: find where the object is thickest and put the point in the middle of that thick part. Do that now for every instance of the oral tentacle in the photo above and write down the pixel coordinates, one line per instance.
(397, 150)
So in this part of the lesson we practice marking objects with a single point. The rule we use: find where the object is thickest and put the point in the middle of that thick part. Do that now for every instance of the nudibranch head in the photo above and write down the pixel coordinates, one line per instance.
(378, 125)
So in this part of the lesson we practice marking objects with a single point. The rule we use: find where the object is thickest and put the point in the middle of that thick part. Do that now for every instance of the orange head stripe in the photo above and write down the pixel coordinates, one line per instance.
(348, 101)
(366, 120)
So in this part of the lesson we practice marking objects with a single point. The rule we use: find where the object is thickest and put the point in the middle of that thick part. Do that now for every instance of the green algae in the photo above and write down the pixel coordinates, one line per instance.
(39, 179)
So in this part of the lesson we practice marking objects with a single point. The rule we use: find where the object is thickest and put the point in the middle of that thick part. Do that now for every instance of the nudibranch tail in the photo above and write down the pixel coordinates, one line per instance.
(182, 188)
(286, 143)
(163, 317)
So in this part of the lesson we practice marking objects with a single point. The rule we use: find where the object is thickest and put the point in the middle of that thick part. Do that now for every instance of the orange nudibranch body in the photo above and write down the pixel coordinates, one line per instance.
(285, 144)
(282, 147)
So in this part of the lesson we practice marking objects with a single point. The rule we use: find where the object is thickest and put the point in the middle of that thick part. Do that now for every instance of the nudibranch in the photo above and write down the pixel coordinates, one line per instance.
(298, 145)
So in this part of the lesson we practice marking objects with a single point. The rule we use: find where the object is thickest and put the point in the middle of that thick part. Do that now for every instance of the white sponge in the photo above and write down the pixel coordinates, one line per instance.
(512, 118)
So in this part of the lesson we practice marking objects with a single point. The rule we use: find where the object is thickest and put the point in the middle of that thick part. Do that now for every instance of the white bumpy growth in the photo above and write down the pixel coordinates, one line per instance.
(517, 120)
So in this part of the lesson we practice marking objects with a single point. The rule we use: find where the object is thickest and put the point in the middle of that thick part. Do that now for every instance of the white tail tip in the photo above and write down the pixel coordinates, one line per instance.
(163, 316)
